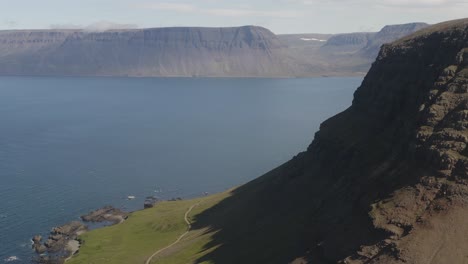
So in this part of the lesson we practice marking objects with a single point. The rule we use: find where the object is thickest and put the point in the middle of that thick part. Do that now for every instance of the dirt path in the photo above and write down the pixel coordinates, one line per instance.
(189, 226)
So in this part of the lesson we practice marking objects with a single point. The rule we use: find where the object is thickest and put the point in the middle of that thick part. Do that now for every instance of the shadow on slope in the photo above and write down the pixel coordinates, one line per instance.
(314, 206)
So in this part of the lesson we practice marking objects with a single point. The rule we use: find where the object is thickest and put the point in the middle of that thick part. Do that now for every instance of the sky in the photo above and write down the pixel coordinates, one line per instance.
(280, 16)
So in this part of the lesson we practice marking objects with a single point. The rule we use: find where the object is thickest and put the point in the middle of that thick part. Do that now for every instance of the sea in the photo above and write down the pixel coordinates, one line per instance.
(70, 145)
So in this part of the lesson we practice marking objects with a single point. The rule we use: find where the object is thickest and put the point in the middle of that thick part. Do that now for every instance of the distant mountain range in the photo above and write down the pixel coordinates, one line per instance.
(247, 51)
(343, 54)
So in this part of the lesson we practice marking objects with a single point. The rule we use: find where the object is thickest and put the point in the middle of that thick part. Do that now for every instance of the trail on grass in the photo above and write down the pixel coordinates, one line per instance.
(189, 225)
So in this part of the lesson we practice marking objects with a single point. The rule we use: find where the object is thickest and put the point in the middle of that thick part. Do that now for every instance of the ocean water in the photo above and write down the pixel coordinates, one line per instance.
(70, 145)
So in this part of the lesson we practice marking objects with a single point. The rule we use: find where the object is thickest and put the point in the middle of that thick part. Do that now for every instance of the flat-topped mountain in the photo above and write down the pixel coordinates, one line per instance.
(243, 51)
(247, 51)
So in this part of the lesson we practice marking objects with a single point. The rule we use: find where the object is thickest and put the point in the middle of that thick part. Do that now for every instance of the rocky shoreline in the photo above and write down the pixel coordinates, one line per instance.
(105, 214)
(63, 241)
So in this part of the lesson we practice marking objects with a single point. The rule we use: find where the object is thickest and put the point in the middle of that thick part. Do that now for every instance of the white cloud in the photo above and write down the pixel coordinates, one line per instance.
(225, 12)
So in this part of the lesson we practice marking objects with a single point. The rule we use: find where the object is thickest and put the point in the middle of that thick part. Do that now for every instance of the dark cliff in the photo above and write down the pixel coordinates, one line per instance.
(385, 181)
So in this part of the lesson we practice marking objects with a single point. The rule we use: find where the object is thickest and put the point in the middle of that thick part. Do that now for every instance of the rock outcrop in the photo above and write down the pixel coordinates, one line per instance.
(105, 214)
(56, 248)
(150, 202)
(63, 241)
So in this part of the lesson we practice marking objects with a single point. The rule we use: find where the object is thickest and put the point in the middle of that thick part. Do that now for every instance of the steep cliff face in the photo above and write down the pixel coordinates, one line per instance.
(402, 147)
(243, 51)
(385, 181)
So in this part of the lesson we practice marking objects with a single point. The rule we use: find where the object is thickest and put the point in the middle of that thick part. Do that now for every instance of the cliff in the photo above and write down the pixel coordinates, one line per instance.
(385, 181)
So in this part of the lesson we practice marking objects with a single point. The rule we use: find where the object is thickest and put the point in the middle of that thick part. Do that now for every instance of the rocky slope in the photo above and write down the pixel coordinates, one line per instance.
(385, 181)
(211, 52)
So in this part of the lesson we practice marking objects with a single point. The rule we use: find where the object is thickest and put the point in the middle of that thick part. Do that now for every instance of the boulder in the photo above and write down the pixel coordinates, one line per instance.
(150, 202)
(37, 239)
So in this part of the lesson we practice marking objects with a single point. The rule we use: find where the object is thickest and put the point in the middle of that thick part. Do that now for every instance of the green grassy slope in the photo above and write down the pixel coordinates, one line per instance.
(143, 233)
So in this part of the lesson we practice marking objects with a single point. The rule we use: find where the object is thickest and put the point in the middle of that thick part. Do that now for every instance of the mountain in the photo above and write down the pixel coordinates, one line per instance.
(367, 44)
(385, 181)
(244, 51)
(359, 40)
(350, 53)
(247, 51)
(387, 35)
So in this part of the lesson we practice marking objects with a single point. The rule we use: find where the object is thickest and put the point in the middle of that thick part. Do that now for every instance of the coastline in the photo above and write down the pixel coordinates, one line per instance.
(147, 231)
(63, 241)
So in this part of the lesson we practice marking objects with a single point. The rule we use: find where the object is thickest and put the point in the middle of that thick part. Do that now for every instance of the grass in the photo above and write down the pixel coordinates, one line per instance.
(192, 247)
(147, 231)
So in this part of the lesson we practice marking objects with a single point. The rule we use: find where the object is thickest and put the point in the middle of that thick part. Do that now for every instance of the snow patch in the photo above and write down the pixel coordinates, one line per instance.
(313, 39)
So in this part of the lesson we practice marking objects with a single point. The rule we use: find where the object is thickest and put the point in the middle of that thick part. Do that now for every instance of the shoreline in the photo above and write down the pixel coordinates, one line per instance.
(63, 242)
(147, 231)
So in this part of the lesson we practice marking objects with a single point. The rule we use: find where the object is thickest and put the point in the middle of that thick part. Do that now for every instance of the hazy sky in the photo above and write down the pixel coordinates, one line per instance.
(281, 16)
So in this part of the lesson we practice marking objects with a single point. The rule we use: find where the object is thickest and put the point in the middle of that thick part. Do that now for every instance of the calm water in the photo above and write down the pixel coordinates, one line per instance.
(69, 145)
